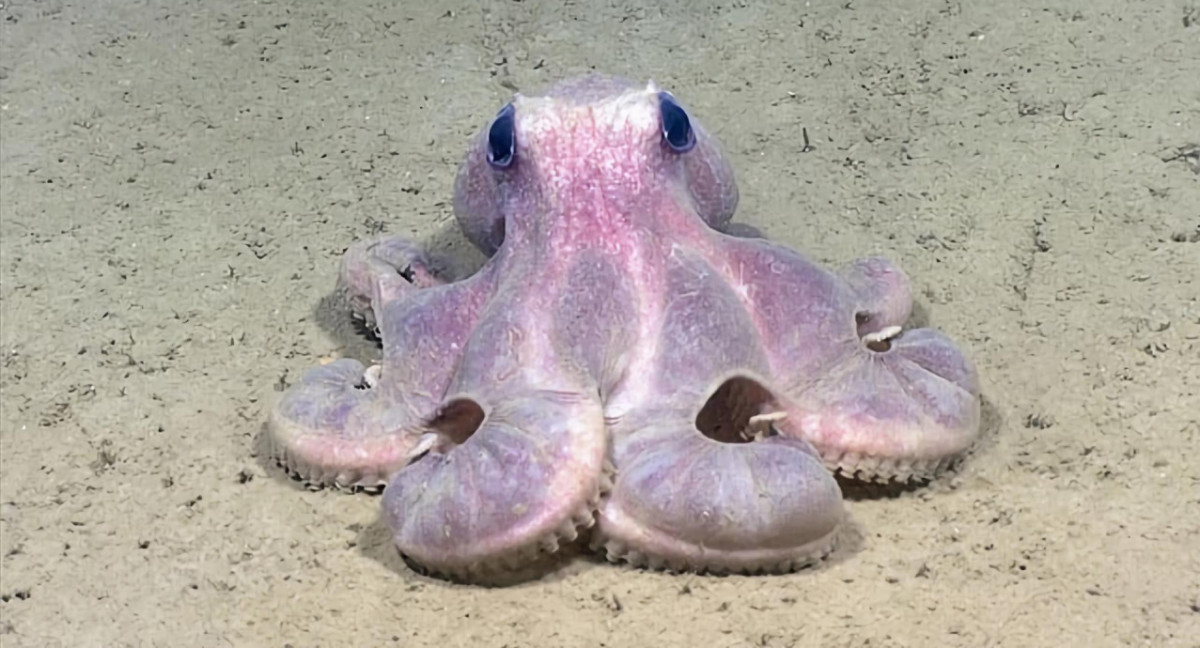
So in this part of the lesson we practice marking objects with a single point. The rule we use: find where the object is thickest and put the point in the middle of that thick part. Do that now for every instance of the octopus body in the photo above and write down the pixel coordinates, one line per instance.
(621, 364)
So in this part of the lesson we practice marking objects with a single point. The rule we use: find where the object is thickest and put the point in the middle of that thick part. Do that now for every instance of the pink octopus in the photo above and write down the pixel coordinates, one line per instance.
(620, 365)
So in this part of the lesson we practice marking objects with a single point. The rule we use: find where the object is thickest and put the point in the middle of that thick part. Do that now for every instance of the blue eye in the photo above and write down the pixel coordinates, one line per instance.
(502, 138)
(676, 127)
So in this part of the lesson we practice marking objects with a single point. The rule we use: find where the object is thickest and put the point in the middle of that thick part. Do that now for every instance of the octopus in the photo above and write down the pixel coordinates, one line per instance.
(625, 373)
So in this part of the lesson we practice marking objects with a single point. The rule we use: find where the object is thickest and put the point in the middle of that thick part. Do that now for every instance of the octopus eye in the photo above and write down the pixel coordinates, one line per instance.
(502, 138)
(676, 127)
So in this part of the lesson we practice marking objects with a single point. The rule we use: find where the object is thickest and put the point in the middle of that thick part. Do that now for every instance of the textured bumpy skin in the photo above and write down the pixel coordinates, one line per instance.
(622, 365)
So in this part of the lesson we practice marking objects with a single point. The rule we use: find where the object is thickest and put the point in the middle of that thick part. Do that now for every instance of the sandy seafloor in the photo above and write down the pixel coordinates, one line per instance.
(180, 179)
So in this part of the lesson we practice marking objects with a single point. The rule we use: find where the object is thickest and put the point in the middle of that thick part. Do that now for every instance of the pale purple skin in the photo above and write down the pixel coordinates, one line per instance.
(565, 384)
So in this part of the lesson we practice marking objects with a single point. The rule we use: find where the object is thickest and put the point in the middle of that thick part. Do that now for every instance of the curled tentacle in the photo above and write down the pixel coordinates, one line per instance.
(330, 428)
(346, 425)
(877, 401)
(898, 404)
(901, 407)
(386, 268)
(747, 504)
(510, 478)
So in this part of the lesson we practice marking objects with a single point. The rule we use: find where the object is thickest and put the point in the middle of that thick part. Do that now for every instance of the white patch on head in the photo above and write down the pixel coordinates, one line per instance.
(542, 120)
(638, 110)
(569, 142)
